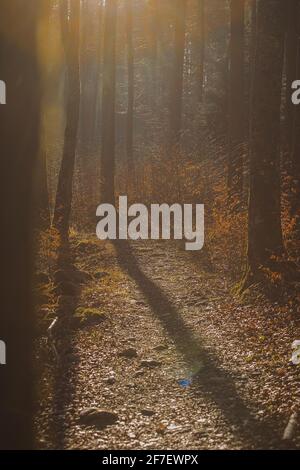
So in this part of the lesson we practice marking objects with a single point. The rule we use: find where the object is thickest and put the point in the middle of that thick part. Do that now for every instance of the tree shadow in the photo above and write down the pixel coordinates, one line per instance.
(65, 371)
(209, 379)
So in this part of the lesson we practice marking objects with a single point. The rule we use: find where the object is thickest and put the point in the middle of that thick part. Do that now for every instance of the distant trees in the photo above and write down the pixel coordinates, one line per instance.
(108, 104)
(19, 136)
(70, 33)
(264, 226)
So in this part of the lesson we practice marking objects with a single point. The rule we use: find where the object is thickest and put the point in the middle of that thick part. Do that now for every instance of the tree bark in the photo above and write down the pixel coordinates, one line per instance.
(264, 226)
(19, 137)
(71, 29)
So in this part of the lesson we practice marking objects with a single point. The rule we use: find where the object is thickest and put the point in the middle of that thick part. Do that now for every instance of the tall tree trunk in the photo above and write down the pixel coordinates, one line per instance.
(179, 9)
(291, 44)
(153, 33)
(201, 46)
(295, 151)
(97, 133)
(264, 226)
(41, 175)
(236, 102)
(90, 69)
(108, 104)
(71, 29)
(252, 49)
(19, 136)
(153, 29)
(177, 85)
(43, 193)
(130, 106)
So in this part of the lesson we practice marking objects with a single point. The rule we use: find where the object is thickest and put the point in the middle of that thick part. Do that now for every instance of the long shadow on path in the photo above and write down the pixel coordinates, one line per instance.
(211, 381)
(65, 371)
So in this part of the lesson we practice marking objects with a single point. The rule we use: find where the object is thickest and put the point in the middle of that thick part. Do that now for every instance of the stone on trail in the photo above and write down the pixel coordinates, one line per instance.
(139, 373)
(147, 412)
(160, 347)
(129, 353)
(150, 363)
(98, 417)
(111, 380)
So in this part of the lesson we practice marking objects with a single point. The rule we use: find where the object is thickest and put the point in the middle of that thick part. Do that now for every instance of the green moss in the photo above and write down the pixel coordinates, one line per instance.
(84, 313)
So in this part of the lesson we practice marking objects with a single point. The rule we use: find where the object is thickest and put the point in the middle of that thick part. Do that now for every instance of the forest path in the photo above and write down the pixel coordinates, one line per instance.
(191, 384)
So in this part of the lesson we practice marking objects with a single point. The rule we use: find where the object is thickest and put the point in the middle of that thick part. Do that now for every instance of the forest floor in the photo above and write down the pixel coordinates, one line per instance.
(172, 355)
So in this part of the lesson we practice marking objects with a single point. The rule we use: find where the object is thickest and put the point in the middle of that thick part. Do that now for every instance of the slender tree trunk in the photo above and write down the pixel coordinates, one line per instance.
(236, 102)
(130, 106)
(153, 29)
(153, 32)
(98, 74)
(44, 219)
(108, 104)
(252, 52)
(90, 68)
(71, 29)
(152, 35)
(177, 85)
(264, 226)
(41, 174)
(201, 46)
(179, 9)
(19, 136)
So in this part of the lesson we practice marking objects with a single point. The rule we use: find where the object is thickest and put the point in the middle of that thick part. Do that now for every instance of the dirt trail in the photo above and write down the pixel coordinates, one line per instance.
(197, 393)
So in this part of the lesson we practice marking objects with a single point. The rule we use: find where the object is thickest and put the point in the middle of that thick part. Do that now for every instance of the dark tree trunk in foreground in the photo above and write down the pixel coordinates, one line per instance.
(108, 104)
(264, 226)
(70, 28)
(130, 106)
(19, 136)
(236, 102)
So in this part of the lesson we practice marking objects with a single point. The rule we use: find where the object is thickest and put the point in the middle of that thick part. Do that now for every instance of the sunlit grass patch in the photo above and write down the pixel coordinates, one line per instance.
(87, 314)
